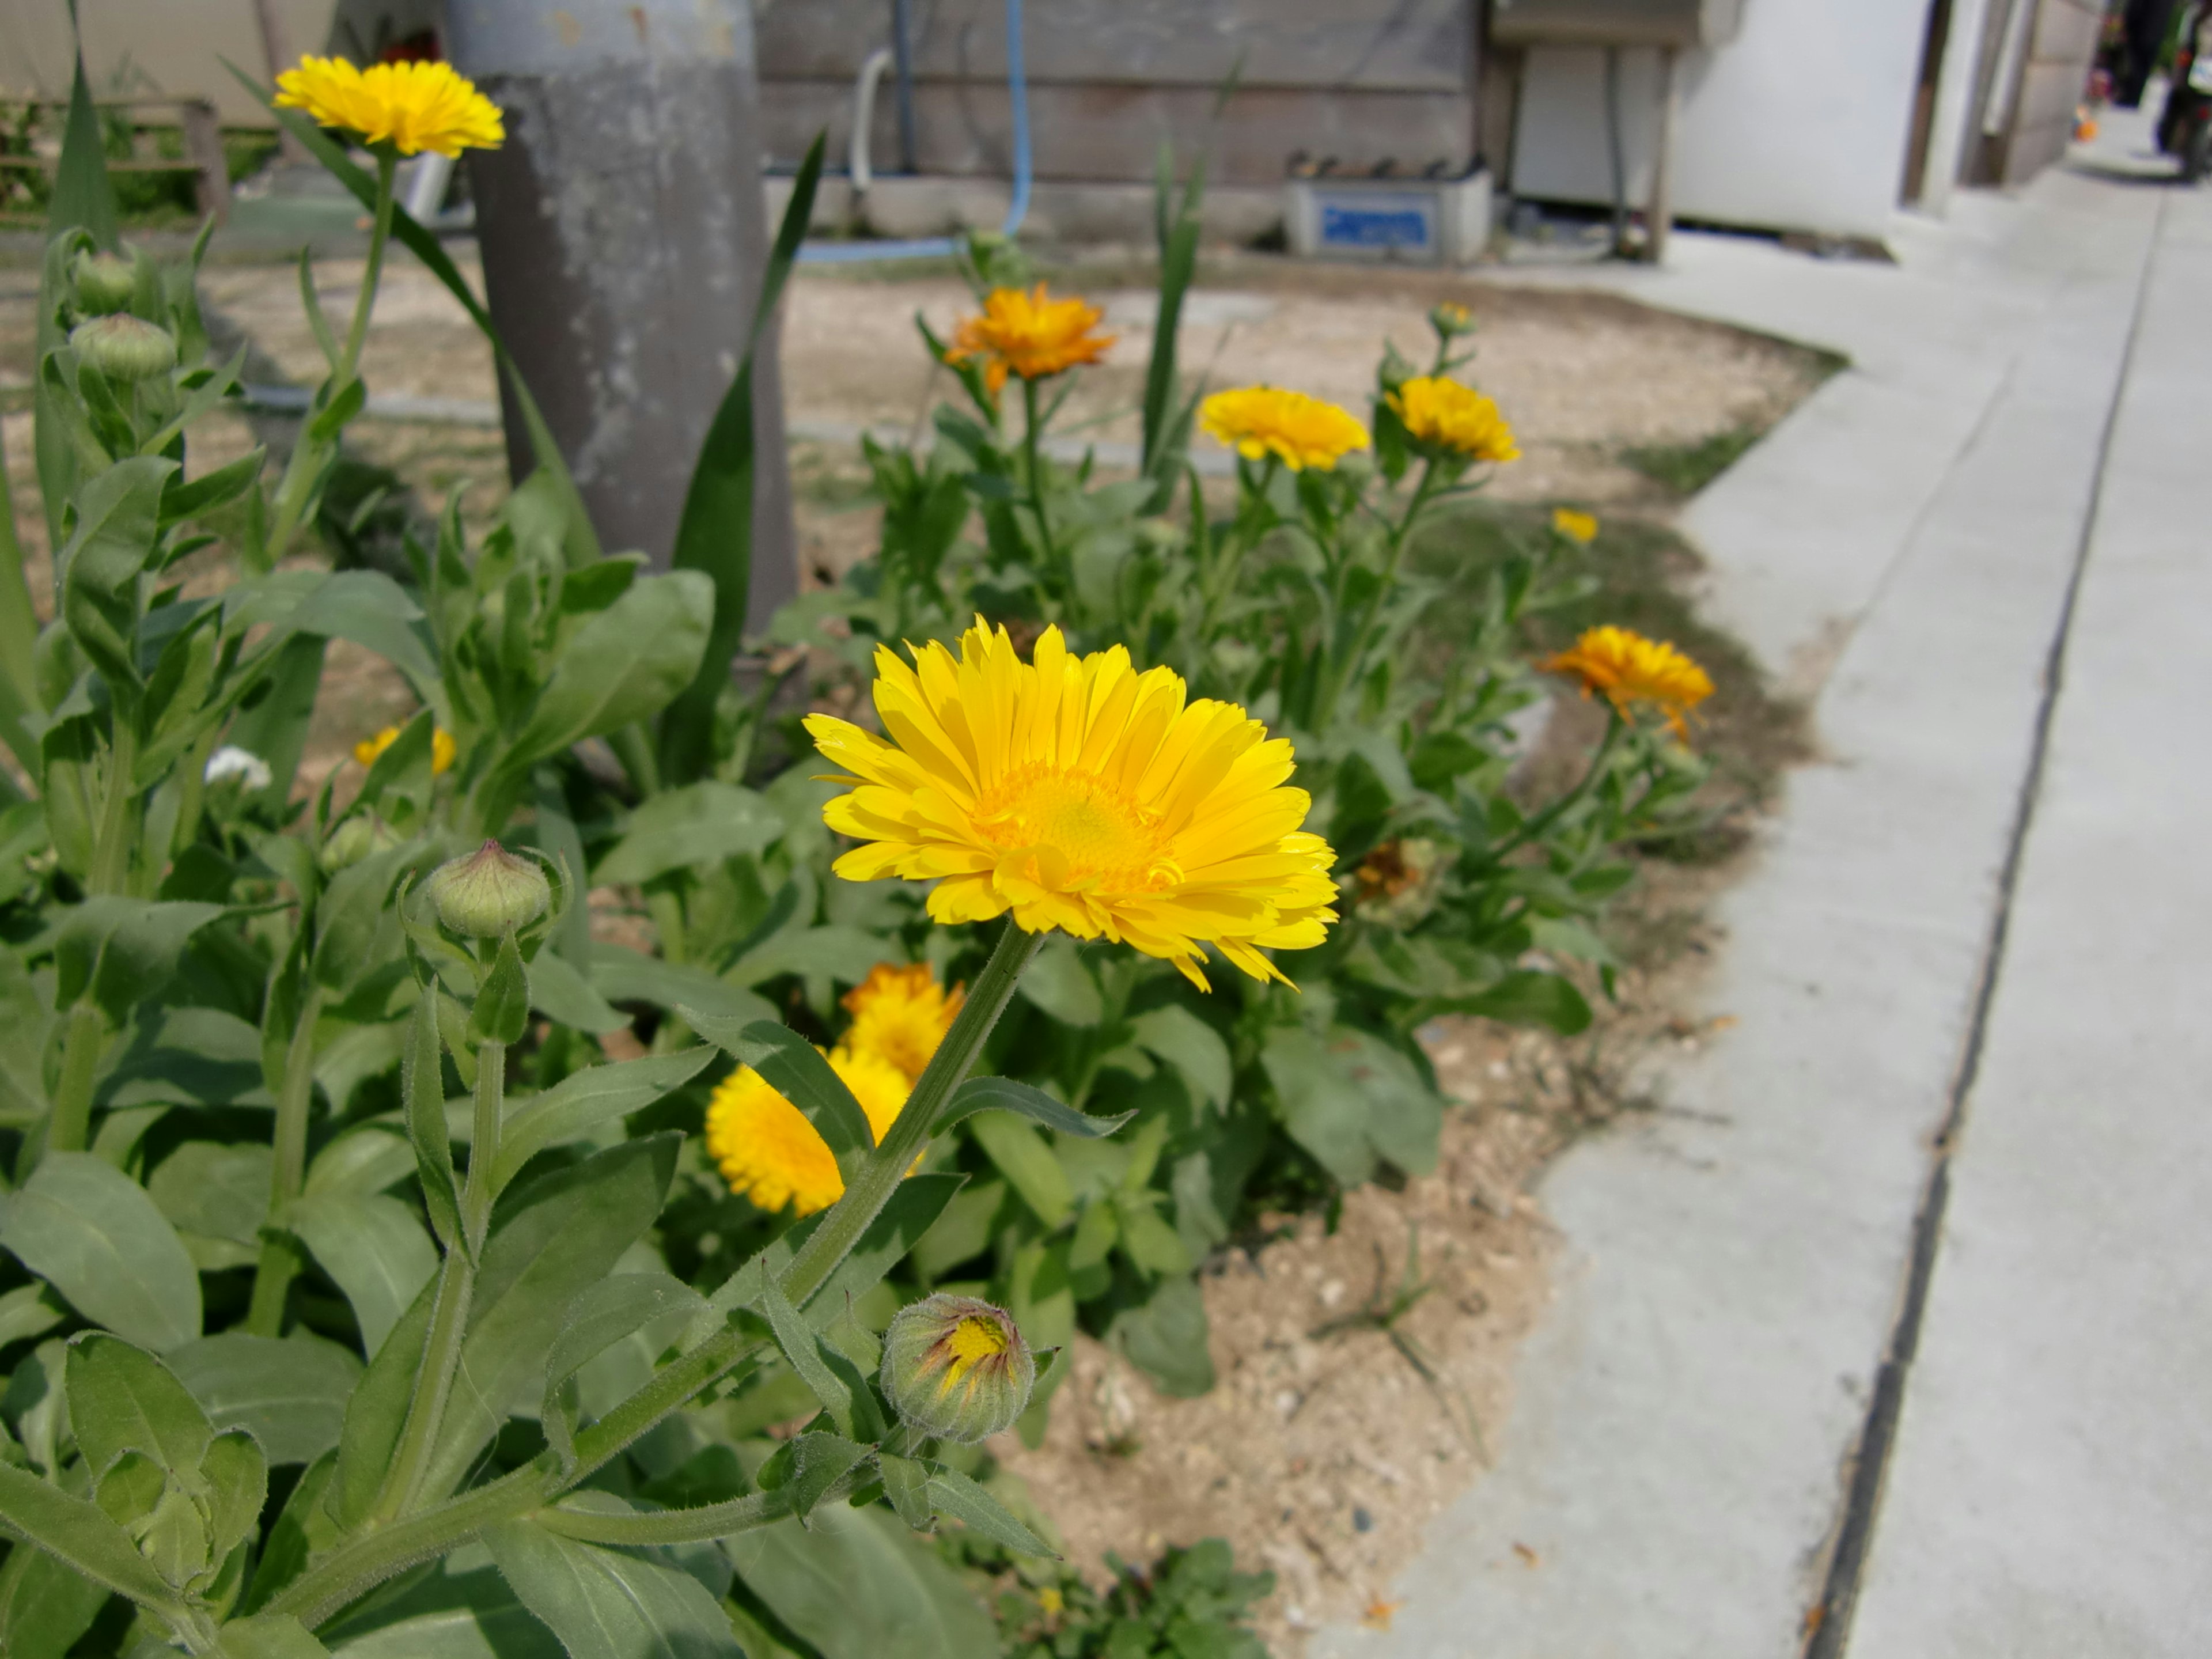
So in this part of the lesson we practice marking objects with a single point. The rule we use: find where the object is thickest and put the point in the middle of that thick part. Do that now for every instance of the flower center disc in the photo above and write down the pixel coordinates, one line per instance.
(1104, 838)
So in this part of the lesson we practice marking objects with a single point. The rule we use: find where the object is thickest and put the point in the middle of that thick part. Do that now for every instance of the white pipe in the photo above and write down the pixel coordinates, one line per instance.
(426, 185)
(864, 116)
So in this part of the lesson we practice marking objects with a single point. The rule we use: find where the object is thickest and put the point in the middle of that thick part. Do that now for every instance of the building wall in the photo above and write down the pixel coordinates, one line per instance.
(1800, 122)
(1362, 81)
(2035, 131)
(141, 47)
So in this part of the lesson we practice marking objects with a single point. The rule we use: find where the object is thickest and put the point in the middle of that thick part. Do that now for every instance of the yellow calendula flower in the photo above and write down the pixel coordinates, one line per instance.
(1031, 335)
(441, 747)
(767, 1150)
(901, 1015)
(1445, 414)
(1625, 669)
(1080, 794)
(1259, 421)
(412, 106)
(1575, 527)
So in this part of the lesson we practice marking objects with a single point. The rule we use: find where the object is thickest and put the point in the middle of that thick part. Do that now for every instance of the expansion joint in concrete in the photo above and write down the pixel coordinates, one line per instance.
(1828, 1624)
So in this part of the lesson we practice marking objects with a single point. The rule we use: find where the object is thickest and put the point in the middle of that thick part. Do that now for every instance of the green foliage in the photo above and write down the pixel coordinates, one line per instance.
(1685, 468)
(1189, 1604)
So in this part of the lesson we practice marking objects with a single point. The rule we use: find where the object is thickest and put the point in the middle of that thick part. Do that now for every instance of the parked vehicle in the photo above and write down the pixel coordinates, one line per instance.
(2184, 127)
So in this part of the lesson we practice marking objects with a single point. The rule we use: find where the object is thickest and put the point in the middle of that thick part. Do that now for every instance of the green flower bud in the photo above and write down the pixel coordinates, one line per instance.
(105, 282)
(490, 893)
(354, 840)
(1450, 321)
(956, 1368)
(124, 348)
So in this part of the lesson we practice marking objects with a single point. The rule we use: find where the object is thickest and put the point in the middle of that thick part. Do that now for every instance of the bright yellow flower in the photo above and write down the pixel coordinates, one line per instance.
(1031, 335)
(901, 1015)
(1626, 669)
(1449, 415)
(1575, 527)
(767, 1150)
(1257, 420)
(415, 106)
(1080, 795)
(441, 747)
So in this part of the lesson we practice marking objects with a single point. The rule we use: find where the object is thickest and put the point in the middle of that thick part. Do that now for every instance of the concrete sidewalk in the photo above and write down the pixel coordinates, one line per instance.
(1679, 1464)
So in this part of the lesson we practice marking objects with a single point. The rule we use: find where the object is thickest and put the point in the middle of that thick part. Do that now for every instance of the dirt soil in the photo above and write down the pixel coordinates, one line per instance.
(1328, 1445)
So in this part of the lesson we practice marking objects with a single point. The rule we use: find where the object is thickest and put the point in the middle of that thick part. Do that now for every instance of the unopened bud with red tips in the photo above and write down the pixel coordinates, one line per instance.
(490, 893)
(124, 348)
(957, 1369)
(105, 282)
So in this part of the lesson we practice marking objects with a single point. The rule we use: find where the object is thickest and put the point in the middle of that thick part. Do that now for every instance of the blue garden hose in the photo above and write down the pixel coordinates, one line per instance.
(940, 248)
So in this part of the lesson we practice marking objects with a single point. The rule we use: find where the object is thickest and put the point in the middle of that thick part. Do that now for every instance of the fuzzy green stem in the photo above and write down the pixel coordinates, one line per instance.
(687, 1525)
(69, 1128)
(280, 1254)
(887, 1166)
(1551, 815)
(305, 466)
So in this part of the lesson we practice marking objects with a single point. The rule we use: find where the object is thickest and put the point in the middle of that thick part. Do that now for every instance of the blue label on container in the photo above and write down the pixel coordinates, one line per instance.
(1349, 227)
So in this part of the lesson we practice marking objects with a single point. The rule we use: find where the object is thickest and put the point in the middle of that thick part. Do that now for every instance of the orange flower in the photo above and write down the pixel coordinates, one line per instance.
(1031, 335)
(1626, 669)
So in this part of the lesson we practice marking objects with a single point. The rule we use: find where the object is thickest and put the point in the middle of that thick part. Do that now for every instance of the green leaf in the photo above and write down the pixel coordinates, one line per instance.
(1028, 1164)
(123, 1400)
(29, 1311)
(184, 500)
(44, 1606)
(423, 1088)
(623, 975)
(364, 606)
(123, 949)
(356, 930)
(847, 1399)
(81, 195)
(906, 1484)
(289, 1395)
(803, 1470)
(622, 666)
(501, 1013)
(1001, 1094)
(602, 1317)
(609, 1604)
(913, 1209)
(581, 1104)
(1352, 1100)
(716, 534)
(374, 1250)
(271, 1636)
(555, 1238)
(566, 997)
(1165, 1337)
(92, 1233)
(79, 1534)
(237, 1473)
(1057, 981)
(276, 728)
(303, 1528)
(1527, 998)
(953, 1493)
(1191, 1046)
(26, 1016)
(460, 1609)
(367, 1158)
(795, 1069)
(117, 515)
(699, 823)
(376, 1413)
(188, 1057)
(216, 1190)
(859, 1585)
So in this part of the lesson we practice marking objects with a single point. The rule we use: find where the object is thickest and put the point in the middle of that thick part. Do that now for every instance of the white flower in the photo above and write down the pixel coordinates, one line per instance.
(232, 761)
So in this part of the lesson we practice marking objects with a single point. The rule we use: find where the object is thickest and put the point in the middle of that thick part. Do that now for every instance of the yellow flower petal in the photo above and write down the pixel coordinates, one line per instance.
(1081, 795)
(1031, 335)
(414, 107)
(1575, 527)
(767, 1150)
(1625, 668)
(1445, 414)
(901, 1015)
(1259, 421)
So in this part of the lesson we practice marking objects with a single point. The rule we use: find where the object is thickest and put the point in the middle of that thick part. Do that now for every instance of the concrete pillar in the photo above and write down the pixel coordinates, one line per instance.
(1954, 122)
(623, 234)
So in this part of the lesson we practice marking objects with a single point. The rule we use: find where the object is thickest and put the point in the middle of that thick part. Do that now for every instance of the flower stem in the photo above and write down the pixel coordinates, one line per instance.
(887, 1166)
(279, 1253)
(304, 470)
(483, 1144)
(1030, 435)
(1615, 724)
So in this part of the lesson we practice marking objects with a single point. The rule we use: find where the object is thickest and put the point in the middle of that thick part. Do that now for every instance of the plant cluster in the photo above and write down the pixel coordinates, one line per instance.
(369, 1289)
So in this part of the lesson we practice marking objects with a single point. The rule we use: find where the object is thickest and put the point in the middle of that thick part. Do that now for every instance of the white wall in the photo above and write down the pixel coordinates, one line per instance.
(174, 47)
(1798, 124)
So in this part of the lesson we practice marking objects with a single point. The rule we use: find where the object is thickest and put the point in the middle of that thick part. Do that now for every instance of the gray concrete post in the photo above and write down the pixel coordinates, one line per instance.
(623, 234)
